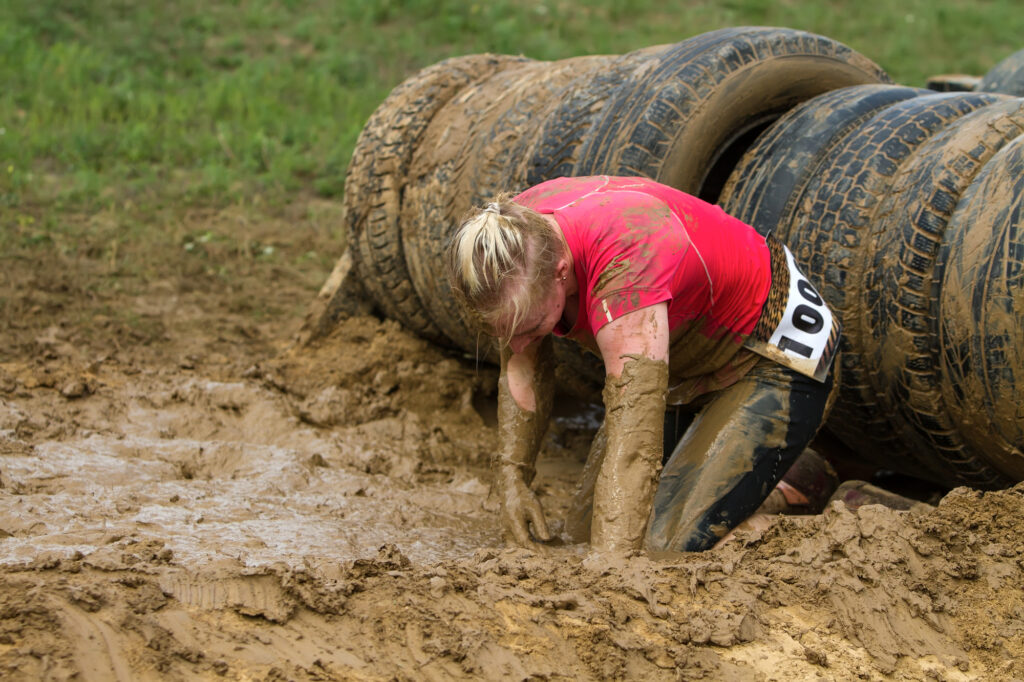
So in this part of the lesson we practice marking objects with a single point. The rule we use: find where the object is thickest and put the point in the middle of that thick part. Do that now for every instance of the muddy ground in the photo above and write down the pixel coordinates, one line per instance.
(186, 493)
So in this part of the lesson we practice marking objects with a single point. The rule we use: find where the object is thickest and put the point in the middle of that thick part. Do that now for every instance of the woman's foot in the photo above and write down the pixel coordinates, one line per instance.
(804, 489)
(856, 494)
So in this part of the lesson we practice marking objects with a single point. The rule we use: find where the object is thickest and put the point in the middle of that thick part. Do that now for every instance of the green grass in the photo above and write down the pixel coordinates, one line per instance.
(146, 105)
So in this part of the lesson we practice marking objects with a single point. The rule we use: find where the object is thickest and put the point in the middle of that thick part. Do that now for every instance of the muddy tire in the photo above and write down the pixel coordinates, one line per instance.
(496, 156)
(377, 175)
(1006, 77)
(553, 150)
(830, 233)
(902, 345)
(769, 181)
(458, 166)
(687, 118)
(981, 312)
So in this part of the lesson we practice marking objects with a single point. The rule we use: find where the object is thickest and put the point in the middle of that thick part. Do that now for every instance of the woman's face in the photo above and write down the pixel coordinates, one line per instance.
(539, 322)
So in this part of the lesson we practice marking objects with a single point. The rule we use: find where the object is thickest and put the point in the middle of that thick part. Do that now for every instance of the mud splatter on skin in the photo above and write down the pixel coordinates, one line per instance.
(520, 430)
(581, 512)
(634, 418)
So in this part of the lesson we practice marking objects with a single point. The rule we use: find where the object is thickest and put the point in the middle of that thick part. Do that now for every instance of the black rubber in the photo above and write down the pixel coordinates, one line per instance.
(376, 179)
(830, 234)
(458, 166)
(502, 151)
(912, 221)
(1006, 77)
(769, 181)
(689, 115)
(981, 312)
(566, 120)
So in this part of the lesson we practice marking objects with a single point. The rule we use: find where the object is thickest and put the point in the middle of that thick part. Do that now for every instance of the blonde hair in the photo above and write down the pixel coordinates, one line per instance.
(500, 262)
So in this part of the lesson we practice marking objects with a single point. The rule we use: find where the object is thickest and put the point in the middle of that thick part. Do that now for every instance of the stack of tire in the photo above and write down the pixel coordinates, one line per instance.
(903, 206)
(457, 133)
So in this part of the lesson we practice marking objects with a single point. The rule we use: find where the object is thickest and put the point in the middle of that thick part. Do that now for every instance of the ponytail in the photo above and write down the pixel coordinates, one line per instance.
(499, 263)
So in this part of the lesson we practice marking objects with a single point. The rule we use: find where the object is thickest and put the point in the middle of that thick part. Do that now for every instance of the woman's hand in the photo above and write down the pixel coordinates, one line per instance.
(519, 506)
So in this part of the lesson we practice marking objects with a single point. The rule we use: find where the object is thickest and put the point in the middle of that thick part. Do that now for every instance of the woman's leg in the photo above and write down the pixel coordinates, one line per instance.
(677, 420)
(733, 454)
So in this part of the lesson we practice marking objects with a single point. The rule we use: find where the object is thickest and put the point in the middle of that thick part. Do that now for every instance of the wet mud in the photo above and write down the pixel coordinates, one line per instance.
(322, 513)
(628, 472)
(186, 494)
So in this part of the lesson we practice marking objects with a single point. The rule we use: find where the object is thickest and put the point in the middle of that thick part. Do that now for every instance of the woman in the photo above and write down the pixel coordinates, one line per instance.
(686, 306)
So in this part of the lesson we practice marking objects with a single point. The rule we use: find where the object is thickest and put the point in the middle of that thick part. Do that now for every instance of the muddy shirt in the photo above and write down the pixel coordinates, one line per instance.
(637, 243)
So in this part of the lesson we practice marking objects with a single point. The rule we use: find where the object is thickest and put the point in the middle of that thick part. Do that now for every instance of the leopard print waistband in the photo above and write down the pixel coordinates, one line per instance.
(775, 306)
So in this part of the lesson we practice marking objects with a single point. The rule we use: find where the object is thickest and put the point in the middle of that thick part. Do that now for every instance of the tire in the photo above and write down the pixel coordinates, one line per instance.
(1006, 77)
(450, 174)
(565, 122)
(912, 223)
(376, 178)
(768, 182)
(981, 312)
(687, 118)
(496, 155)
(830, 234)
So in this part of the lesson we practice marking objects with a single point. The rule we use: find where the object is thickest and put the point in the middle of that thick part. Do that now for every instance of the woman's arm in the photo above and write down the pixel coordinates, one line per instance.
(635, 352)
(524, 406)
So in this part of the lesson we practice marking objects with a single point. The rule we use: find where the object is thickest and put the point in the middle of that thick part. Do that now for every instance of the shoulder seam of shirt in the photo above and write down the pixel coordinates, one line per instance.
(593, 191)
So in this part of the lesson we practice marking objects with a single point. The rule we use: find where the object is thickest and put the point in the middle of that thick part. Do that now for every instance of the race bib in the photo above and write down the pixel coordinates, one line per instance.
(806, 335)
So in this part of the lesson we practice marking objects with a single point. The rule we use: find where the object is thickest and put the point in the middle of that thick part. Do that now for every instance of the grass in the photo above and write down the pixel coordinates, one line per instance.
(194, 101)
(120, 116)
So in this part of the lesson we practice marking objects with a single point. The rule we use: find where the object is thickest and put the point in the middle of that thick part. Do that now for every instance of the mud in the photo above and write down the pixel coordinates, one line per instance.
(982, 307)
(192, 497)
(634, 412)
(521, 430)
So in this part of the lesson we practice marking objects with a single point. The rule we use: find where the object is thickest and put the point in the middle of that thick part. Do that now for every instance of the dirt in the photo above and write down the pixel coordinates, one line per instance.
(193, 495)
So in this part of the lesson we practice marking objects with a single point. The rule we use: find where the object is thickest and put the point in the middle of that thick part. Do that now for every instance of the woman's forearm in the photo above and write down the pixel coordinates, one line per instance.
(525, 379)
(520, 432)
(634, 419)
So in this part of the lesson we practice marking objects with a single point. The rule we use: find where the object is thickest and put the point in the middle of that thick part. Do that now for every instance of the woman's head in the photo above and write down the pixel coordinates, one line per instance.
(501, 263)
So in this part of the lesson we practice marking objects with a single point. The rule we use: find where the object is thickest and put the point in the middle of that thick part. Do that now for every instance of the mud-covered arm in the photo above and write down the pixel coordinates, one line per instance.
(635, 352)
(524, 407)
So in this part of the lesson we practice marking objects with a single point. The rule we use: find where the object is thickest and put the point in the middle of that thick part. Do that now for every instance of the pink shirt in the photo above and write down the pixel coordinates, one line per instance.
(636, 243)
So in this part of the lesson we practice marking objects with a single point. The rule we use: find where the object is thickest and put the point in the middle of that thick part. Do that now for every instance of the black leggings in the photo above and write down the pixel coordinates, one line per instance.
(731, 453)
